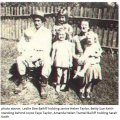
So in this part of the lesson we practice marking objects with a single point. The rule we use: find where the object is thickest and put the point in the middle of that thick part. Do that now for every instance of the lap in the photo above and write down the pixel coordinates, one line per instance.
(93, 73)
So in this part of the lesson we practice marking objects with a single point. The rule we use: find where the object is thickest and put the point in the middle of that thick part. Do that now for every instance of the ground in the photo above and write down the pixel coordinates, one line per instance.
(105, 93)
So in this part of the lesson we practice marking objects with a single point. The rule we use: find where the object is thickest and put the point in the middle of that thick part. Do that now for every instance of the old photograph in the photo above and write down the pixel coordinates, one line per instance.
(59, 53)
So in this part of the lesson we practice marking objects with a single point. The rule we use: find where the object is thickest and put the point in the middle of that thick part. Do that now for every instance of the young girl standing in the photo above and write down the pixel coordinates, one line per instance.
(62, 58)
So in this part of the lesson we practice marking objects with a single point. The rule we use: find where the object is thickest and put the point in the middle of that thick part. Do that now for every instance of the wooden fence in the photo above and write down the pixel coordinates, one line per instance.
(104, 21)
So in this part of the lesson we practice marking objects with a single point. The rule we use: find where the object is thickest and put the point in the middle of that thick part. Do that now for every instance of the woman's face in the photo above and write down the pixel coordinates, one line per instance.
(84, 26)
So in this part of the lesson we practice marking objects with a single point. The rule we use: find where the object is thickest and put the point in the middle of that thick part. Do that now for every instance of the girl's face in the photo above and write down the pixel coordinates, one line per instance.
(84, 26)
(62, 36)
(61, 19)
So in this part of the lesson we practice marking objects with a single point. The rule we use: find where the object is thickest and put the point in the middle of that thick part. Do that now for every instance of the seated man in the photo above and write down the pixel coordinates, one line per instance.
(34, 48)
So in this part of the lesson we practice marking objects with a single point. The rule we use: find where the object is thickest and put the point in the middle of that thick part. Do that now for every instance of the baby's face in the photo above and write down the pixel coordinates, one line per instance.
(61, 36)
(84, 26)
(90, 39)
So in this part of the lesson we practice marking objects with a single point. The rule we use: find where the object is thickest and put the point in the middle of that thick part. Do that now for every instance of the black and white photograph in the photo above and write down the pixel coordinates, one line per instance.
(59, 53)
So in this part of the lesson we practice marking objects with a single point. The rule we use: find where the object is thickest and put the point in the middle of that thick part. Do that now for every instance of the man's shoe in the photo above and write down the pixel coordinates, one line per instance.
(23, 81)
(63, 86)
(43, 92)
(58, 88)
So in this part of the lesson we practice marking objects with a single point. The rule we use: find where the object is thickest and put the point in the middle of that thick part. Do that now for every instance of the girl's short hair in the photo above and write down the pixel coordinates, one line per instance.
(61, 30)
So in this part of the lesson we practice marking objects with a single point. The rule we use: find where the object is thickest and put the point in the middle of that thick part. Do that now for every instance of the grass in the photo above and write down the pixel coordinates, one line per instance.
(105, 93)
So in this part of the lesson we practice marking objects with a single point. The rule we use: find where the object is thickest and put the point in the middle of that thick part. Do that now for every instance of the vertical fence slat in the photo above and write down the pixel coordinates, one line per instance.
(8, 28)
(99, 13)
(56, 9)
(99, 32)
(102, 36)
(52, 9)
(2, 28)
(116, 39)
(116, 14)
(105, 40)
(1, 25)
(5, 36)
(2, 11)
(69, 9)
(81, 11)
(17, 28)
(107, 37)
(111, 41)
(17, 11)
(105, 13)
(21, 11)
(11, 11)
(8, 11)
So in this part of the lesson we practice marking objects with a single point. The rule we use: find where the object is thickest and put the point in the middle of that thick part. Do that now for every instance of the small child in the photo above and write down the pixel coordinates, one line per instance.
(62, 22)
(62, 58)
(91, 55)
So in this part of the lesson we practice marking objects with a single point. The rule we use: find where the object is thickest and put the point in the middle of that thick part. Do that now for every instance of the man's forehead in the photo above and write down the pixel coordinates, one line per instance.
(37, 19)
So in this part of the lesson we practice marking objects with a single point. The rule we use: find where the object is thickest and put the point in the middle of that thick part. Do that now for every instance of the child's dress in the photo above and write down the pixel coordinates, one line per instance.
(63, 54)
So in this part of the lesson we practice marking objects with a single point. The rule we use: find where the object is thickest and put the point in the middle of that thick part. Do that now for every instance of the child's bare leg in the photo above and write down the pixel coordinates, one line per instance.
(59, 75)
(65, 79)
(82, 92)
(88, 90)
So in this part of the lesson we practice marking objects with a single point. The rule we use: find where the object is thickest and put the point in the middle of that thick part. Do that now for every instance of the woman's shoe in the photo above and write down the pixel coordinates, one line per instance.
(63, 86)
(81, 95)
